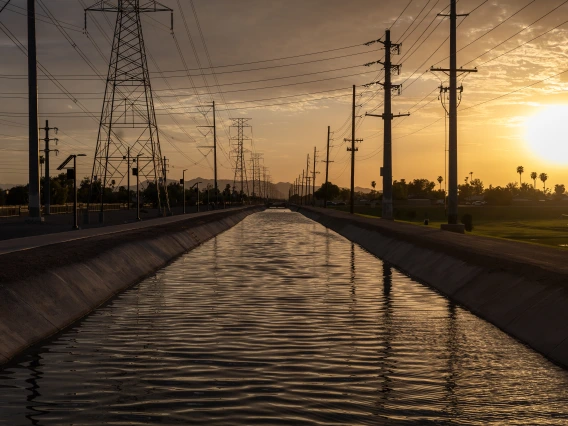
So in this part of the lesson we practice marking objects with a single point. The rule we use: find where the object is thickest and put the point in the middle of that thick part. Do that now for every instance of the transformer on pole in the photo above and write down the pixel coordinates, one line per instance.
(128, 120)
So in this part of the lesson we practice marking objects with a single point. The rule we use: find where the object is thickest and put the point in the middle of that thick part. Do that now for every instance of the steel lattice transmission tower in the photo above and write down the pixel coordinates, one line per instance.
(128, 129)
(239, 151)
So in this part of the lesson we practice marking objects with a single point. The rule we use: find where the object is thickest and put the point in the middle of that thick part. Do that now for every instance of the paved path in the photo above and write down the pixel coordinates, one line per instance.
(26, 243)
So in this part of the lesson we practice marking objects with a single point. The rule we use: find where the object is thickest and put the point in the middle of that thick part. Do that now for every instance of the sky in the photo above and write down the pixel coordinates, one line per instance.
(289, 66)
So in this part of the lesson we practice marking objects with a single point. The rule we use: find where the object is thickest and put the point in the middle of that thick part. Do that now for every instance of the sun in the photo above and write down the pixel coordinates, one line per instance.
(547, 134)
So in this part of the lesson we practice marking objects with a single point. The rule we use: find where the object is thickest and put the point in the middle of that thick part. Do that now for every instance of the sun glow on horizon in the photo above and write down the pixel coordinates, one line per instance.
(547, 134)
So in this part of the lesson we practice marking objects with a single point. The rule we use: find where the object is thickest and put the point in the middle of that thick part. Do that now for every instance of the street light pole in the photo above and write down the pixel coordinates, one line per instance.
(196, 184)
(75, 221)
(74, 158)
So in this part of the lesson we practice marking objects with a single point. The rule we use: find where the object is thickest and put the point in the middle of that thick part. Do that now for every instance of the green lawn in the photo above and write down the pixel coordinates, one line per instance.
(531, 224)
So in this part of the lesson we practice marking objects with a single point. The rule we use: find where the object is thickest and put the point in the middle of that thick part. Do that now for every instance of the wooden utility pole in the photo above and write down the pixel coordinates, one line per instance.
(302, 195)
(34, 197)
(326, 189)
(314, 178)
(308, 180)
(353, 149)
(215, 153)
(387, 116)
(453, 114)
(128, 180)
(47, 182)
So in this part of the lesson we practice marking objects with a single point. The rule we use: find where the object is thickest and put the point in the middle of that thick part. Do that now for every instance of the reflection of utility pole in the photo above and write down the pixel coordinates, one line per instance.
(34, 199)
(47, 183)
(326, 189)
(453, 114)
(386, 170)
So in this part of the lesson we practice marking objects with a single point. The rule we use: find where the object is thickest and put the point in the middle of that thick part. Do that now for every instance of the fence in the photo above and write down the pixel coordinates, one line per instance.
(11, 211)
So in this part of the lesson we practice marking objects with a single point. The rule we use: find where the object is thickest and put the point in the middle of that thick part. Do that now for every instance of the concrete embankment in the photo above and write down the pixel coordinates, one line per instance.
(47, 287)
(520, 288)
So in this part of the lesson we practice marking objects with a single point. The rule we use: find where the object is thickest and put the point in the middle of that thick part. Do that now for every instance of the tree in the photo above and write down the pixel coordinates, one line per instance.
(512, 187)
(373, 184)
(543, 177)
(400, 190)
(520, 171)
(17, 196)
(440, 180)
(498, 196)
(465, 191)
(332, 191)
(421, 188)
(344, 194)
(559, 189)
(227, 191)
(533, 177)
(476, 186)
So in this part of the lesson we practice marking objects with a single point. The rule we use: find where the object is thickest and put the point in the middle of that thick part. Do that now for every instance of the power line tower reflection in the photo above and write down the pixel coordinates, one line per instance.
(128, 119)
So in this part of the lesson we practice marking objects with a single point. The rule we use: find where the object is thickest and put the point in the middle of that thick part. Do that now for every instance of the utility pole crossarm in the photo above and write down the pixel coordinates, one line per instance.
(449, 70)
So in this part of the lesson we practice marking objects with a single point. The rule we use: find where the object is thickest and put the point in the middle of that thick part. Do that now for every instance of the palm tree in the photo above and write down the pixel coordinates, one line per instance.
(440, 180)
(520, 171)
(543, 177)
(533, 177)
(373, 184)
(471, 174)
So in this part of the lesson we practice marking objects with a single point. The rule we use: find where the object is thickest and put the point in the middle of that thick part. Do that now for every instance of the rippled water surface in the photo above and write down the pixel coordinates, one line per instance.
(280, 321)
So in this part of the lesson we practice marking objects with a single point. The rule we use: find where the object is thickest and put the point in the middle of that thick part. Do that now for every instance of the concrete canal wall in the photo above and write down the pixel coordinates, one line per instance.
(47, 288)
(520, 288)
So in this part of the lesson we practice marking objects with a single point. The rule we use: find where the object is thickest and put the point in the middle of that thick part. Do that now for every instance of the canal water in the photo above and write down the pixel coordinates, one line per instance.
(280, 321)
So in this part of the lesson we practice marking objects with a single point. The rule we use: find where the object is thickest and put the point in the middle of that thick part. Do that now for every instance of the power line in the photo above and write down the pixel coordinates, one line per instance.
(492, 29)
(401, 13)
(517, 33)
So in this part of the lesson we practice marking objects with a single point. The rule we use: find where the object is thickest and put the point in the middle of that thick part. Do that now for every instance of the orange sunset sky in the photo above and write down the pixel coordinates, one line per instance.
(319, 50)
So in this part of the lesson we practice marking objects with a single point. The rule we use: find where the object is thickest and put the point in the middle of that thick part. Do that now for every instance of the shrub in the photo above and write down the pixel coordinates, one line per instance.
(467, 220)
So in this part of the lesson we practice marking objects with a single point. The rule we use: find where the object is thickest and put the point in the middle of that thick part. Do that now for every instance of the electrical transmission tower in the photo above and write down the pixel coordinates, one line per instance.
(239, 151)
(128, 120)
(256, 186)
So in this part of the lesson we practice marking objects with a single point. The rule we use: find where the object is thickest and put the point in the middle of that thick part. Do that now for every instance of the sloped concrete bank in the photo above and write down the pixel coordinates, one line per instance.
(520, 288)
(45, 289)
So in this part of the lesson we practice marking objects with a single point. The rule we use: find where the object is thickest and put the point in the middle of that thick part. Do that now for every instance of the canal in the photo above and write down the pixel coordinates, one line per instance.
(280, 321)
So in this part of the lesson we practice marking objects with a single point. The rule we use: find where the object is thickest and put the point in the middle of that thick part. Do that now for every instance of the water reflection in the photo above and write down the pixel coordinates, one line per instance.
(387, 321)
(281, 321)
(453, 349)
(34, 382)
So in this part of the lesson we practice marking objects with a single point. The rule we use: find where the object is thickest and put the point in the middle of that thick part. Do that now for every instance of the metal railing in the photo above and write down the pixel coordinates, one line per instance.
(12, 211)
